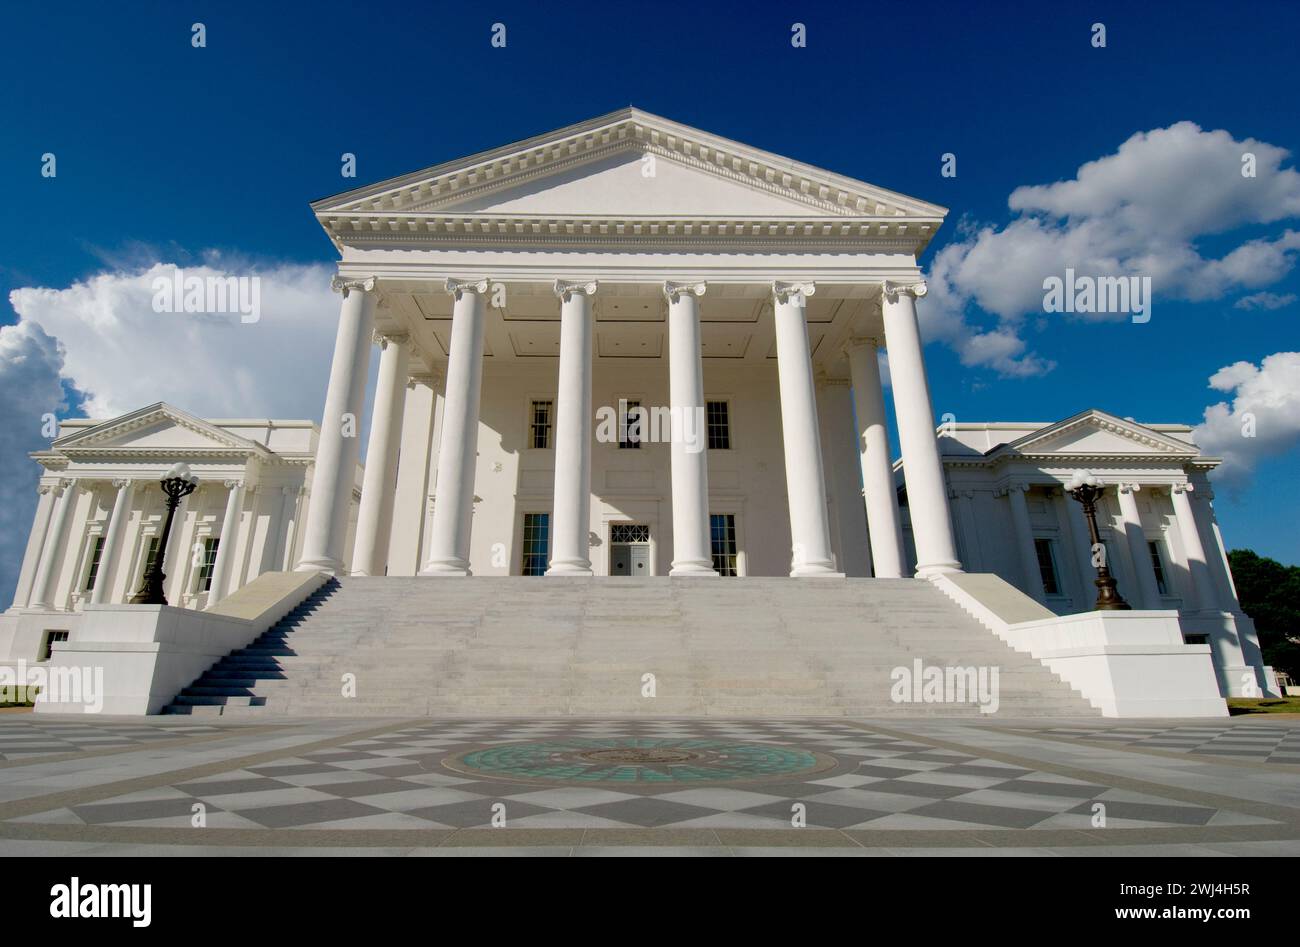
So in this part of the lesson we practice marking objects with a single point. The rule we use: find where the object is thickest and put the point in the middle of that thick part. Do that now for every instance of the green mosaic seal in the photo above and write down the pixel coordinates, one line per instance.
(645, 760)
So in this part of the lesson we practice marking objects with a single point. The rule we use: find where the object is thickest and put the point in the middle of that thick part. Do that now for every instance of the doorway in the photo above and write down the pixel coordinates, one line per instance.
(629, 550)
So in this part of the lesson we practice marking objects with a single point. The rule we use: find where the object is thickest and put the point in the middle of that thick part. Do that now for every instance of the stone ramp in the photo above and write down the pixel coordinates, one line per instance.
(763, 647)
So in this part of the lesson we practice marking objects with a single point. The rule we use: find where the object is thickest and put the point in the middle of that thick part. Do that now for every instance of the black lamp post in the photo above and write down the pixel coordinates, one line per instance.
(177, 484)
(1086, 488)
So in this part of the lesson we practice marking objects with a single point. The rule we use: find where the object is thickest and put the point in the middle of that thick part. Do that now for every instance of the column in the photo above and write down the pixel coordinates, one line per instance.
(884, 525)
(1230, 660)
(375, 516)
(1202, 584)
(108, 556)
(339, 447)
(226, 541)
(45, 502)
(692, 546)
(805, 481)
(571, 510)
(1148, 592)
(835, 404)
(927, 499)
(1031, 576)
(47, 573)
(453, 510)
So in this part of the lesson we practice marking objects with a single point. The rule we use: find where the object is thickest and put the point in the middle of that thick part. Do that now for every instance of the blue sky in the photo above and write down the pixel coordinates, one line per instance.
(166, 152)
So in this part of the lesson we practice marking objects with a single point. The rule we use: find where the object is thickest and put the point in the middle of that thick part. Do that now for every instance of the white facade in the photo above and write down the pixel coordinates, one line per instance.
(101, 512)
(522, 301)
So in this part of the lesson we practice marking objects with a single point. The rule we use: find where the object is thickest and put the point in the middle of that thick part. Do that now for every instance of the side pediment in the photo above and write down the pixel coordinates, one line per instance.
(1100, 434)
(156, 428)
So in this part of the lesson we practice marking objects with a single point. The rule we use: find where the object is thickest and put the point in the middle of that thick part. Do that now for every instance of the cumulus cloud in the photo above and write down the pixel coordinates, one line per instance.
(123, 355)
(1262, 419)
(102, 338)
(1142, 211)
(30, 391)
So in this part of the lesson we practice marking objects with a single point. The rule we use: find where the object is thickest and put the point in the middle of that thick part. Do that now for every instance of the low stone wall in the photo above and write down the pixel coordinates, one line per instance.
(133, 659)
(1126, 663)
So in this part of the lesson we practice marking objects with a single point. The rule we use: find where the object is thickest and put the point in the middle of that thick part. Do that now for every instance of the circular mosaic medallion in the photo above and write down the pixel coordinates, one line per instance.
(623, 760)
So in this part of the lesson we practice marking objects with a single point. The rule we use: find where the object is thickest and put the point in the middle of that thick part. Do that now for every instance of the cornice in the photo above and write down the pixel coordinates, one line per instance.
(770, 234)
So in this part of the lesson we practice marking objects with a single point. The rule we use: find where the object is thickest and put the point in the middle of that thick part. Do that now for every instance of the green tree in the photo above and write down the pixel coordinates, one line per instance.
(1270, 594)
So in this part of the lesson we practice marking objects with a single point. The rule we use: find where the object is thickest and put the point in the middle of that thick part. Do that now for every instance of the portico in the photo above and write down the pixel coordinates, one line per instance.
(629, 261)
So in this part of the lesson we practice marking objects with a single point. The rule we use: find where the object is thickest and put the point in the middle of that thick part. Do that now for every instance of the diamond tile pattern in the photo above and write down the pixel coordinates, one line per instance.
(1259, 742)
(396, 780)
(22, 737)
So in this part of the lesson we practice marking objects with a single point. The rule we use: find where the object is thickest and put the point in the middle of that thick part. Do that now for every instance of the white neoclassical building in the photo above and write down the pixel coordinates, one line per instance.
(630, 348)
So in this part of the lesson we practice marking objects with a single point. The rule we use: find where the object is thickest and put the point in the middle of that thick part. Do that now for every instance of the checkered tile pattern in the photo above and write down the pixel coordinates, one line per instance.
(396, 781)
(25, 738)
(1261, 743)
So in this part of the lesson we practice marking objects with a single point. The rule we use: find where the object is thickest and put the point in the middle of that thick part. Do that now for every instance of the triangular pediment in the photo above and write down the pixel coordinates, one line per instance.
(156, 428)
(1100, 434)
(628, 164)
(628, 183)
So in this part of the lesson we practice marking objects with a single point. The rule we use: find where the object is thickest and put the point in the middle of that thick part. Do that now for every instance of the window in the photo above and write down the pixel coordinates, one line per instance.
(537, 541)
(47, 649)
(1158, 566)
(629, 424)
(96, 550)
(209, 560)
(540, 425)
(629, 533)
(151, 554)
(722, 535)
(718, 419)
(1047, 566)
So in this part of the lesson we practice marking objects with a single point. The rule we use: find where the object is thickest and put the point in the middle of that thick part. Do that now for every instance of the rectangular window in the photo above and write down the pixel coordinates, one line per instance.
(151, 554)
(722, 534)
(1047, 566)
(96, 550)
(51, 638)
(537, 542)
(630, 424)
(540, 424)
(209, 560)
(718, 418)
(1158, 565)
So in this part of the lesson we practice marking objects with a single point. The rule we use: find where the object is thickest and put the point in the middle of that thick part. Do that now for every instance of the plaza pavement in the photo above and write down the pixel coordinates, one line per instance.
(565, 786)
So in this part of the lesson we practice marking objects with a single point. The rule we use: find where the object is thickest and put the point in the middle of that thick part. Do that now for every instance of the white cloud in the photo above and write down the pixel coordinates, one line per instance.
(30, 364)
(1262, 420)
(1138, 212)
(1265, 301)
(123, 355)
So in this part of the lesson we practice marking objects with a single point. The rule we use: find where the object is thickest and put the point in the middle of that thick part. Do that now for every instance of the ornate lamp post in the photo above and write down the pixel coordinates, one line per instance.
(177, 484)
(1086, 488)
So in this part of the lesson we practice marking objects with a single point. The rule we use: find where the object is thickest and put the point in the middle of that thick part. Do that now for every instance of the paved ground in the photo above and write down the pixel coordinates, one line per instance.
(565, 786)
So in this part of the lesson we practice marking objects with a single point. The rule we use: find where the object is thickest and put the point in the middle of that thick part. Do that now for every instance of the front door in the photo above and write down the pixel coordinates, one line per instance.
(629, 550)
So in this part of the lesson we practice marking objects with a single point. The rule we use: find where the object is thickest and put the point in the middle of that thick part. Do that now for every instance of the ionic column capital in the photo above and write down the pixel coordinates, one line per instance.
(457, 287)
(1182, 488)
(384, 338)
(796, 292)
(891, 289)
(565, 289)
(675, 291)
(1128, 487)
(341, 285)
(862, 341)
(121, 482)
(232, 484)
